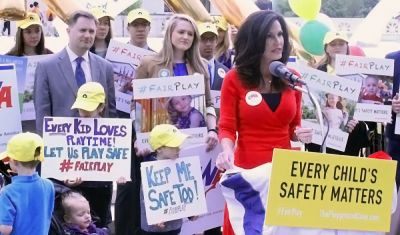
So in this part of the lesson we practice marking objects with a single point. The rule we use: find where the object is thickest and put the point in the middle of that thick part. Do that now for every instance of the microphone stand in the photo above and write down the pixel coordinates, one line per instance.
(320, 119)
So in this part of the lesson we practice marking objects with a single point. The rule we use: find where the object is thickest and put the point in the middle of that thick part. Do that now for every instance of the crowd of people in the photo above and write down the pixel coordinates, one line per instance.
(259, 112)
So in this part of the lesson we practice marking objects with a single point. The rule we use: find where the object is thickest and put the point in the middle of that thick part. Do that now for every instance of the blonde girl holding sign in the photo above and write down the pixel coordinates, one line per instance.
(180, 56)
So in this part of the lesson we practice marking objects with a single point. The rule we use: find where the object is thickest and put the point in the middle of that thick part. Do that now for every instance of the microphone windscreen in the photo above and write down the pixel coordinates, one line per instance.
(274, 68)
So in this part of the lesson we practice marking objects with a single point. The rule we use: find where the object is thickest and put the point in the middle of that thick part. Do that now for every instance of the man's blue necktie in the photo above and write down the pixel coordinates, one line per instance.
(211, 75)
(79, 74)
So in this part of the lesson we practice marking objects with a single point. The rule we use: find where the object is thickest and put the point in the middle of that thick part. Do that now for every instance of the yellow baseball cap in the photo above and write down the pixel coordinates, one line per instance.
(100, 13)
(31, 19)
(89, 96)
(333, 35)
(22, 147)
(205, 27)
(221, 22)
(138, 13)
(166, 135)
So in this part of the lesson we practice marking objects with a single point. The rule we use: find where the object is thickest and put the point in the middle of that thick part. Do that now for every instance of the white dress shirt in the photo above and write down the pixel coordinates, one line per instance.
(85, 64)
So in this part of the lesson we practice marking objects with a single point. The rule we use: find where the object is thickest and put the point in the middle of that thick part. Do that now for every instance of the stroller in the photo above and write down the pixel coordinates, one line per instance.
(56, 225)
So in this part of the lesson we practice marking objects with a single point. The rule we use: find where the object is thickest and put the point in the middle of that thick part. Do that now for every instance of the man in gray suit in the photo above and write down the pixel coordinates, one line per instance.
(58, 78)
(208, 43)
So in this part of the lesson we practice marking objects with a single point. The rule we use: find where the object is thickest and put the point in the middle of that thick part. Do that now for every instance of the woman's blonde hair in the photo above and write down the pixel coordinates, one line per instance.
(192, 55)
(223, 46)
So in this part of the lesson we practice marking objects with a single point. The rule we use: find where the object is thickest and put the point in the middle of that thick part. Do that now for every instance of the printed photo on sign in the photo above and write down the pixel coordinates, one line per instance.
(172, 189)
(337, 97)
(376, 93)
(125, 59)
(179, 101)
(377, 84)
(95, 149)
(336, 111)
(9, 104)
(214, 199)
(28, 110)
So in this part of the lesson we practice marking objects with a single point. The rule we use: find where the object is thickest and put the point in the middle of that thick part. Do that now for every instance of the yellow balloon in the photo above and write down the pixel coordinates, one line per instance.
(235, 11)
(193, 8)
(306, 9)
(63, 8)
(12, 9)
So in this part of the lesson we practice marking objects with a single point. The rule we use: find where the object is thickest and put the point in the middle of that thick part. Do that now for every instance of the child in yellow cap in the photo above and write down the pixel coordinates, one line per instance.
(165, 140)
(90, 102)
(26, 205)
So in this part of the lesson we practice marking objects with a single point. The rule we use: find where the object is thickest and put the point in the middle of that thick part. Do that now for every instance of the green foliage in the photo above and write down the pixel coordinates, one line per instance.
(333, 8)
(308, 113)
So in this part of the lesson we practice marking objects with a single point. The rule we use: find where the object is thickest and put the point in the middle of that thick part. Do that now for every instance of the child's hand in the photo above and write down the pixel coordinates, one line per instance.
(121, 180)
(161, 225)
(141, 152)
(193, 218)
(73, 183)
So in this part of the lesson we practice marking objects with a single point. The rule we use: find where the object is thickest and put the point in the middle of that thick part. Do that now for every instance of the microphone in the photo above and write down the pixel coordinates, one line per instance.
(278, 69)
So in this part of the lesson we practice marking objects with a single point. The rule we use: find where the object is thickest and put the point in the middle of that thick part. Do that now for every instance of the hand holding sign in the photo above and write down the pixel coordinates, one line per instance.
(212, 139)
(225, 160)
(304, 134)
(351, 125)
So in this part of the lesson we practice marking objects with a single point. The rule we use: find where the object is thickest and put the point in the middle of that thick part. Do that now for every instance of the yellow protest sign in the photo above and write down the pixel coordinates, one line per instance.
(330, 191)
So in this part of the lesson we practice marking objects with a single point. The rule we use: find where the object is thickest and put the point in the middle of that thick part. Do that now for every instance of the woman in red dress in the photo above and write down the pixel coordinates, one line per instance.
(259, 112)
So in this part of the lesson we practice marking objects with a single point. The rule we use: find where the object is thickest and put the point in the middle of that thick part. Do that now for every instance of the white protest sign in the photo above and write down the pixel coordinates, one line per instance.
(336, 139)
(112, 7)
(9, 104)
(95, 149)
(323, 81)
(196, 135)
(215, 201)
(347, 64)
(168, 86)
(377, 85)
(373, 113)
(28, 109)
(216, 98)
(172, 189)
(179, 101)
(125, 59)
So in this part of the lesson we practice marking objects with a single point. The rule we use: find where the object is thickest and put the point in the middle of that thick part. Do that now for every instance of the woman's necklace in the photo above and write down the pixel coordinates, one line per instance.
(266, 86)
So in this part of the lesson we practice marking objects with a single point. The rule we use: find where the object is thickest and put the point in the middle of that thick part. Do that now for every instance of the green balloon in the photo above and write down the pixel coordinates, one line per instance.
(312, 37)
